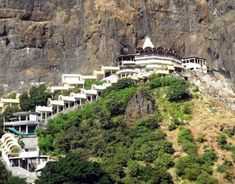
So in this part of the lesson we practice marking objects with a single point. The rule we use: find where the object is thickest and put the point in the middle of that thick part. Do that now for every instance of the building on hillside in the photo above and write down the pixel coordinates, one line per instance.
(22, 162)
(73, 80)
(195, 64)
(8, 102)
(45, 112)
(160, 60)
(105, 71)
(22, 123)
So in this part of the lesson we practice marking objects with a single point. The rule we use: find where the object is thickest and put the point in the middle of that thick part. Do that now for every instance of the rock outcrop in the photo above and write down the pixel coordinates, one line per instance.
(138, 107)
(40, 39)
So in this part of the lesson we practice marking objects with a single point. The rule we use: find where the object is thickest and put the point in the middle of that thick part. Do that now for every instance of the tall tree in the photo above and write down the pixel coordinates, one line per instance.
(73, 170)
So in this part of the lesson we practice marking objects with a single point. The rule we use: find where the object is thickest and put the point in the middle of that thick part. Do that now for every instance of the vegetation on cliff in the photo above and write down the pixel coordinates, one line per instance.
(100, 134)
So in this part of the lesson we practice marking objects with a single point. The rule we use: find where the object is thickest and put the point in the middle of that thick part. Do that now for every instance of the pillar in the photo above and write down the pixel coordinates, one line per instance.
(57, 109)
(27, 162)
(27, 129)
(19, 128)
(45, 115)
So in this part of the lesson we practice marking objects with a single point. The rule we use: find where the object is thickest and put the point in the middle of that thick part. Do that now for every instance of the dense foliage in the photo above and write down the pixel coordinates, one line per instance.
(99, 131)
(73, 170)
(36, 96)
(136, 153)
(185, 139)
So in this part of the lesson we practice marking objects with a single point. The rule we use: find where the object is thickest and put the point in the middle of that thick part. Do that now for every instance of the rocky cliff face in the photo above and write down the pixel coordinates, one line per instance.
(40, 39)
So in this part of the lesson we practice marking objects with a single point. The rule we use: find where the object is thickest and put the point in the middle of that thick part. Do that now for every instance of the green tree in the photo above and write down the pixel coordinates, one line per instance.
(36, 96)
(25, 102)
(72, 169)
(178, 92)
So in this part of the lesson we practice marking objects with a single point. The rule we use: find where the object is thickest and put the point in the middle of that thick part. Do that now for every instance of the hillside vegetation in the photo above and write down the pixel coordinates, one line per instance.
(101, 143)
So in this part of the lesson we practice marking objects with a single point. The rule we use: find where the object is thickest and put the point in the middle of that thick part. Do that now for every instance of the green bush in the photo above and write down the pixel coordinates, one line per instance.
(192, 166)
(137, 173)
(201, 138)
(225, 166)
(172, 127)
(151, 122)
(185, 139)
(164, 161)
(233, 152)
(187, 110)
(156, 81)
(178, 92)
(222, 141)
(209, 156)
(121, 84)
(229, 132)
(205, 178)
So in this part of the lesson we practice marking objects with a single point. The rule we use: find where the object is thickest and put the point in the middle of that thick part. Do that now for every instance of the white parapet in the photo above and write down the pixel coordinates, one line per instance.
(40, 109)
(56, 102)
(67, 98)
(143, 60)
(89, 77)
(128, 71)
(110, 68)
(72, 79)
(59, 88)
(111, 79)
(89, 92)
(98, 87)
(10, 101)
(28, 154)
(78, 95)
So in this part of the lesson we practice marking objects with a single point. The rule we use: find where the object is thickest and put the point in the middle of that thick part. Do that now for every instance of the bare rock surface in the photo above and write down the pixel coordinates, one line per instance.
(138, 107)
(41, 39)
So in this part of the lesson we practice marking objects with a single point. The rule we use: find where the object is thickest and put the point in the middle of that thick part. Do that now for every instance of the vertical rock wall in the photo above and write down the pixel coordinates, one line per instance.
(41, 39)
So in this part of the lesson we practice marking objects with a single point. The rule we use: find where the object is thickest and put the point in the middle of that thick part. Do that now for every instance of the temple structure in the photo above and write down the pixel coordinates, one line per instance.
(160, 60)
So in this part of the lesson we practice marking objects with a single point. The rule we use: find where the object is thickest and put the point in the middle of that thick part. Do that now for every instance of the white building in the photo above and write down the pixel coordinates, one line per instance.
(22, 123)
(195, 64)
(148, 58)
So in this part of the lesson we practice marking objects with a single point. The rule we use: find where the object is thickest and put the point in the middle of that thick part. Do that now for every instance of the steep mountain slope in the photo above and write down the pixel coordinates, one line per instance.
(40, 39)
(175, 134)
